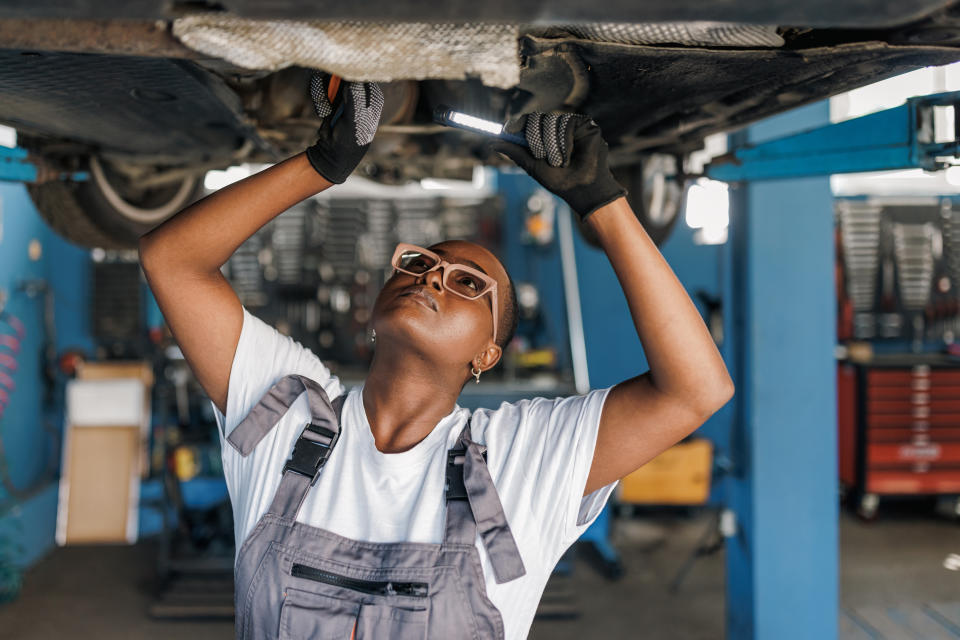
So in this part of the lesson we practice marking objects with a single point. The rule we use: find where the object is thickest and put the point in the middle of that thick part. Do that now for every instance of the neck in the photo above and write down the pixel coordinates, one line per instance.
(405, 396)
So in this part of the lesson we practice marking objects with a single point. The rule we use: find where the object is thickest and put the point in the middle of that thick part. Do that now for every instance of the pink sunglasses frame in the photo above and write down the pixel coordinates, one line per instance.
(490, 284)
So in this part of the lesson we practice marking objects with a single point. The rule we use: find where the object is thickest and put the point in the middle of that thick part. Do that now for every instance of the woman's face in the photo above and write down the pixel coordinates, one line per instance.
(418, 312)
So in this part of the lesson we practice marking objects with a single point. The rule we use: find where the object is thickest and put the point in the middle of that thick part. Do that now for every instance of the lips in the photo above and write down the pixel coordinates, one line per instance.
(422, 296)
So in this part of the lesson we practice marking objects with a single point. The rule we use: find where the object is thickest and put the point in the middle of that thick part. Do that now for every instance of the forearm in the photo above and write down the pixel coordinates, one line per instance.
(202, 237)
(684, 361)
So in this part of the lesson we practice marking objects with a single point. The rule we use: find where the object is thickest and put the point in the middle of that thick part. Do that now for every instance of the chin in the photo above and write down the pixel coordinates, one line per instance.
(422, 337)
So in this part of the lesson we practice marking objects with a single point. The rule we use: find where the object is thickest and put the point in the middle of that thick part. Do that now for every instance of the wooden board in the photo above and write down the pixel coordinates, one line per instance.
(101, 468)
(678, 476)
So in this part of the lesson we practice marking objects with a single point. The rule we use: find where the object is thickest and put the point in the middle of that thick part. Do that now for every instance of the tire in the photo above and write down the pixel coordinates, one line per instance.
(107, 211)
(655, 194)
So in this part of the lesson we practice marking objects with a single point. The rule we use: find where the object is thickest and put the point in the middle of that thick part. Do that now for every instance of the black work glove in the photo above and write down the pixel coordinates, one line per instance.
(341, 145)
(568, 156)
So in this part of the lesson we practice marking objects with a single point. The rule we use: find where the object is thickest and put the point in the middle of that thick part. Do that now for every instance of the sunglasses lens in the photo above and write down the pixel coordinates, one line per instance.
(415, 262)
(465, 284)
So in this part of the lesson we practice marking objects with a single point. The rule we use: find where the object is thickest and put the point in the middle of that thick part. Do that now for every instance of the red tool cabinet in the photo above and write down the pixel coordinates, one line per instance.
(899, 428)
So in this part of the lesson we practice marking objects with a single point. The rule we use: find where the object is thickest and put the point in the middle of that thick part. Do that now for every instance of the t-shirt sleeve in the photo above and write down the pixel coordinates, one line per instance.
(263, 357)
(546, 451)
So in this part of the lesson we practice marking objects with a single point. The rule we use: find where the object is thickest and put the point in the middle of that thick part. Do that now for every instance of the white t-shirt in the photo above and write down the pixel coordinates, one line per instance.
(539, 453)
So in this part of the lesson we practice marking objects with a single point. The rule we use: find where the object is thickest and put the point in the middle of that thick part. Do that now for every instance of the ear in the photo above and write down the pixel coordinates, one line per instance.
(488, 358)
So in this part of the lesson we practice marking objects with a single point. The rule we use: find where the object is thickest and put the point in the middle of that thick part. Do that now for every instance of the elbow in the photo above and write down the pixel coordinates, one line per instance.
(726, 392)
(718, 395)
(709, 395)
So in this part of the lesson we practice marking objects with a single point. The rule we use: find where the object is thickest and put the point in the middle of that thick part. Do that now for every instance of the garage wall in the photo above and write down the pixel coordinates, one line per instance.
(30, 452)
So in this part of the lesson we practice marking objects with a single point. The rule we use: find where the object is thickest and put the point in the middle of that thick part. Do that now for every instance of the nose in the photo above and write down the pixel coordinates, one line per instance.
(434, 279)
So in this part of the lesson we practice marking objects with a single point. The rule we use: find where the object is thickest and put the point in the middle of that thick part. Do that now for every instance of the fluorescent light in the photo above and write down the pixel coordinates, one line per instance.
(711, 235)
(708, 211)
(476, 123)
(708, 204)
(216, 179)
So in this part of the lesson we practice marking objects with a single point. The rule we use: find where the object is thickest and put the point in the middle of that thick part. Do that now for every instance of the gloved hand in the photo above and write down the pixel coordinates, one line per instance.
(568, 156)
(341, 145)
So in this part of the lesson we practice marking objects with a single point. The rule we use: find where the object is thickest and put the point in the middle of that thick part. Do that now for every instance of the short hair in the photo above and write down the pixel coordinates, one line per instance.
(509, 318)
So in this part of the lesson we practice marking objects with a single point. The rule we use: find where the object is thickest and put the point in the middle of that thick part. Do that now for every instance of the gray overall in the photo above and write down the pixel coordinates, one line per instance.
(299, 582)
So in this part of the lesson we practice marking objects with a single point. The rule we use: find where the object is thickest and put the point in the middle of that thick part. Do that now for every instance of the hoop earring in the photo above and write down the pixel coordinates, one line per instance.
(476, 373)
(373, 335)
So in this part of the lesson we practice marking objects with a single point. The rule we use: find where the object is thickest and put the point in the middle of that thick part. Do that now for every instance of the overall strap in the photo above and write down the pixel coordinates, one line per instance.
(473, 505)
(272, 406)
(312, 448)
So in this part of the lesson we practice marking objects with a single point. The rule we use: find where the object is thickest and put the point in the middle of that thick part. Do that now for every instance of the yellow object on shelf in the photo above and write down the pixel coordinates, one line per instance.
(678, 476)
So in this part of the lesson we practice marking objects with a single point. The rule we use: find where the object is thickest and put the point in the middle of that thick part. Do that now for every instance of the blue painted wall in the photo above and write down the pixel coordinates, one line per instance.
(28, 445)
(538, 265)
(782, 564)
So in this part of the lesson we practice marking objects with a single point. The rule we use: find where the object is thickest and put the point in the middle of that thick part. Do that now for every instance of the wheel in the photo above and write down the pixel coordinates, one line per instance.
(110, 210)
(655, 193)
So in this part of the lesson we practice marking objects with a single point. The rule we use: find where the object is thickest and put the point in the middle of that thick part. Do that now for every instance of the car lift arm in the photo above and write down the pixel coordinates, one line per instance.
(903, 137)
(16, 165)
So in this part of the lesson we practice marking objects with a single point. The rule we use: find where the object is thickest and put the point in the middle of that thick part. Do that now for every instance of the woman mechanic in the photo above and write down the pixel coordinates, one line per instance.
(387, 511)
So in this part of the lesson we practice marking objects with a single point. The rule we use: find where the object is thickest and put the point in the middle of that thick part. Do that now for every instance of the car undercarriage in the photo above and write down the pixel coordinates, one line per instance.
(123, 96)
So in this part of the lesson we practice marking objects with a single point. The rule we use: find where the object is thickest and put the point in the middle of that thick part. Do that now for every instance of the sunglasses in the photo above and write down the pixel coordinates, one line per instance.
(458, 279)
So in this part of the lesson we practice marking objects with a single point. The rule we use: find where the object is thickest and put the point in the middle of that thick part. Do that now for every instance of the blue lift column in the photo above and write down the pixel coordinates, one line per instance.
(782, 564)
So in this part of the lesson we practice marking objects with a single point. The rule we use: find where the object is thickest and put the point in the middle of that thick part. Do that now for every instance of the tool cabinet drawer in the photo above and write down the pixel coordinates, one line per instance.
(912, 434)
(917, 378)
(915, 419)
(906, 481)
(913, 452)
(912, 404)
(940, 392)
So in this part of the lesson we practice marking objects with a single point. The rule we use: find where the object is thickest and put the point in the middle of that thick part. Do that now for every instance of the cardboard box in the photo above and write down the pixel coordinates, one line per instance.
(104, 453)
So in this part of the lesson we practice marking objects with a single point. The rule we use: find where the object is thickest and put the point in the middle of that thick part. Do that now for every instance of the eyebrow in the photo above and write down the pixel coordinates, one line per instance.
(464, 261)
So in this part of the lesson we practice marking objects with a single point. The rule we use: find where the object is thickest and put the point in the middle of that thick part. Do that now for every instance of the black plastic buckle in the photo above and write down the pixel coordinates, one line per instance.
(308, 455)
(456, 489)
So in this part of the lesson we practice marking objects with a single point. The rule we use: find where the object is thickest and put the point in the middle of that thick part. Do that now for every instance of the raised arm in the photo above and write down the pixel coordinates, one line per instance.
(182, 257)
(687, 381)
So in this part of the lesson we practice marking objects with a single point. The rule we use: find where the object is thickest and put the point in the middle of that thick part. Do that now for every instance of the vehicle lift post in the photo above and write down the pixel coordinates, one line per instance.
(782, 560)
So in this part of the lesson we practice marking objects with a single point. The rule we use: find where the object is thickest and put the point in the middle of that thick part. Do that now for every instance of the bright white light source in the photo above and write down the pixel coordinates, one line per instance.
(952, 562)
(710, 235)
(943, 124)
(433, 184)
(219, 179)
(708, 209)
(8, 137)
(952, 175)
(476, 123)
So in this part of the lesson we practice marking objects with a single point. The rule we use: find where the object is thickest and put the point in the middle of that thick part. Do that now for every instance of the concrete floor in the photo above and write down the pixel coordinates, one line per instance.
(104, 592)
